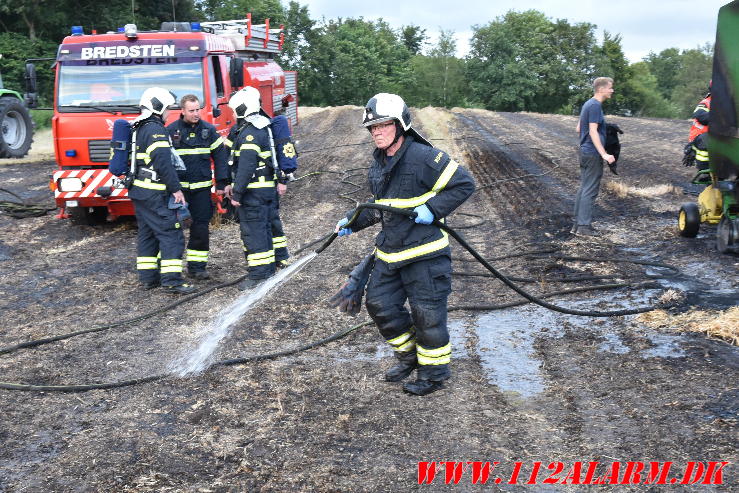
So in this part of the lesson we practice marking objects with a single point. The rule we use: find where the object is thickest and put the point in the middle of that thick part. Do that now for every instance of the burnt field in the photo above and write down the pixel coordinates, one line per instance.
(529, 385)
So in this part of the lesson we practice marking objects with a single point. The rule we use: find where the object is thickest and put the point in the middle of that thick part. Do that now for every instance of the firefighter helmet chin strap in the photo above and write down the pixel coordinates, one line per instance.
(399, 132)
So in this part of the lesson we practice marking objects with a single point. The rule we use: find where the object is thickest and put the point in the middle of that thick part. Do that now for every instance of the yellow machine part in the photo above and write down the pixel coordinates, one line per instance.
(710, 204)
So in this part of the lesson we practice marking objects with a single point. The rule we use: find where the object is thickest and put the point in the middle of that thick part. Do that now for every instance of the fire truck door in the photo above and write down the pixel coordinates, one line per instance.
(217, 97)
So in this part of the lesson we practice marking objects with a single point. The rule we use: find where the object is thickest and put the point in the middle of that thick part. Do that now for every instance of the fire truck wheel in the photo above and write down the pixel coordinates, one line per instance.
(16, 128)
(87, 216)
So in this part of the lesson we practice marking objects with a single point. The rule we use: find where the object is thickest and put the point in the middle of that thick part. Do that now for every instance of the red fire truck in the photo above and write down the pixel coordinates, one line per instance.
(100, 78)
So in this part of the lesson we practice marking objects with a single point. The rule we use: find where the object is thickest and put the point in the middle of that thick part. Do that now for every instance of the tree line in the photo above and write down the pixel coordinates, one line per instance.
(520, 61)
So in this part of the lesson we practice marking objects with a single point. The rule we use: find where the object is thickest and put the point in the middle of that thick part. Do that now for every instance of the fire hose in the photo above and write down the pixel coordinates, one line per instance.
(327, 240)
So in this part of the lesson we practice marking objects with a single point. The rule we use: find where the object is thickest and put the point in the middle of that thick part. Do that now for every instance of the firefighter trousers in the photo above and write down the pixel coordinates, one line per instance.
(279, 240)
(255, 215)
(160, 241)
(426, 285)
(201, 210)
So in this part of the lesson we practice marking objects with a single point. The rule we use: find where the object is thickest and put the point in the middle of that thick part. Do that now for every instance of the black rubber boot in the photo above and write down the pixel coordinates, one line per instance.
(180, 289)
(422, 387)
(407, 362)
(201, 275)
(147, 285)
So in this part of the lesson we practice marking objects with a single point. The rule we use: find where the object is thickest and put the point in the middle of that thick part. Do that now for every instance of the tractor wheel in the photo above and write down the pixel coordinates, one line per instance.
(727, 235)
(16, 128)
(87, 216)
(688, 220)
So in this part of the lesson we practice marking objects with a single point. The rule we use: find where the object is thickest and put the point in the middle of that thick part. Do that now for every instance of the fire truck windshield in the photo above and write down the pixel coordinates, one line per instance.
(96, 87)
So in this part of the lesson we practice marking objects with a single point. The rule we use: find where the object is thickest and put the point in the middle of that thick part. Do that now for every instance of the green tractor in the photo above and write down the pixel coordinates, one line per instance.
(16, 126)
(719, 201)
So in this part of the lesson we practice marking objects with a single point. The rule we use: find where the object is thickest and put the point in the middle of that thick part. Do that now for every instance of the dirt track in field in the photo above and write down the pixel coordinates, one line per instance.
(528, 384)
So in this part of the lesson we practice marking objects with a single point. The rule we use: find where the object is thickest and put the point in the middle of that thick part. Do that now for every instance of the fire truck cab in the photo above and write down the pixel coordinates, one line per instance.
(100, 78)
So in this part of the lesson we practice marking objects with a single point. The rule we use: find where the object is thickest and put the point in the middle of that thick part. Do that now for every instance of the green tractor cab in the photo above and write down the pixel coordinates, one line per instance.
(16, 126)
(719, 201)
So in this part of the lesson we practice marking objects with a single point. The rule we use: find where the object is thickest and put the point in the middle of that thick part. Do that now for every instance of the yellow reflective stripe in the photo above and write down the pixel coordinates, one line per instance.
(198, 184)
(237, 153)
(228, 142)
(413, 202)
(261, 255)
(261, 183)
(396, 341)
(156, 145)
(196, 150)
(251, 147)
(279, 242)
(149, 184)
(404, 342)
(197, 255)
(446, 175)
(143, 156)
(265, 154)
(439, 356)
(261, 258)
(145, 263)
(216, 143)
(408, 203)
(171, 265)
(700, 155)
(418, 251)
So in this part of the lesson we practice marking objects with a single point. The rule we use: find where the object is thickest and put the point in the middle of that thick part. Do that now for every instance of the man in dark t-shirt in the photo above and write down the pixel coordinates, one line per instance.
(592, 130)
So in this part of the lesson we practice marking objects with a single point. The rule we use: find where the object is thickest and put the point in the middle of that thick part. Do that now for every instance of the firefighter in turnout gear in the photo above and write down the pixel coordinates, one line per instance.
(697, 138)
(287, 163)
(412, 256)
(254, 186)
(160, 238)
(197, 142)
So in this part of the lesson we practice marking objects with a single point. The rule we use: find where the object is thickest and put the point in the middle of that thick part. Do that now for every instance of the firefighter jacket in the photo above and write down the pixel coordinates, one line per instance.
(253, 169)
(417, 174)
(155, 171)
(282, 144)
(196, 145)
(700, 118)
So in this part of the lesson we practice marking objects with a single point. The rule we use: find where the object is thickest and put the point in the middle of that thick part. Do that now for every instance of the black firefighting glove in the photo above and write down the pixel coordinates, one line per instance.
(349, 296)
(688, 155)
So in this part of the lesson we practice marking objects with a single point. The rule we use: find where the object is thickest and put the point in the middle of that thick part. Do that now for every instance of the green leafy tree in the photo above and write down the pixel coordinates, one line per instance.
(692, 81)
(438, 79)
(647, 100)
(298, 28)
(665, 67)
(414, 38)
(524, 61)
(16, 48)
(615, 65)
(223, 10)
(350, 60)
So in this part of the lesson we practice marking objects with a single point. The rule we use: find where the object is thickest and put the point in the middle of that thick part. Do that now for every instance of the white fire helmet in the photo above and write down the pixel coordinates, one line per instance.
(245, 102)
(156, 100)
(383, 107)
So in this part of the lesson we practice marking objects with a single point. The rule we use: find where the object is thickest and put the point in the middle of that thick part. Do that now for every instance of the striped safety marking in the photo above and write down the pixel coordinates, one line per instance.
(91, 179)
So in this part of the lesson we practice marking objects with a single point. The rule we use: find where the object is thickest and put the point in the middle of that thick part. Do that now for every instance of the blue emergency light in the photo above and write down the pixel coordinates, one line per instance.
(77, 31)
(121, 29)
(70, 153)
(195, 26)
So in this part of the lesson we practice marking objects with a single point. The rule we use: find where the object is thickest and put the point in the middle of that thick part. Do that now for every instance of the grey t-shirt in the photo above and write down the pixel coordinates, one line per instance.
(592, 112)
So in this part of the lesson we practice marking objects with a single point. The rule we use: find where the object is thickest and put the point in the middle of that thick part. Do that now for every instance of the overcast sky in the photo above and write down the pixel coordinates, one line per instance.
(644, 25)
